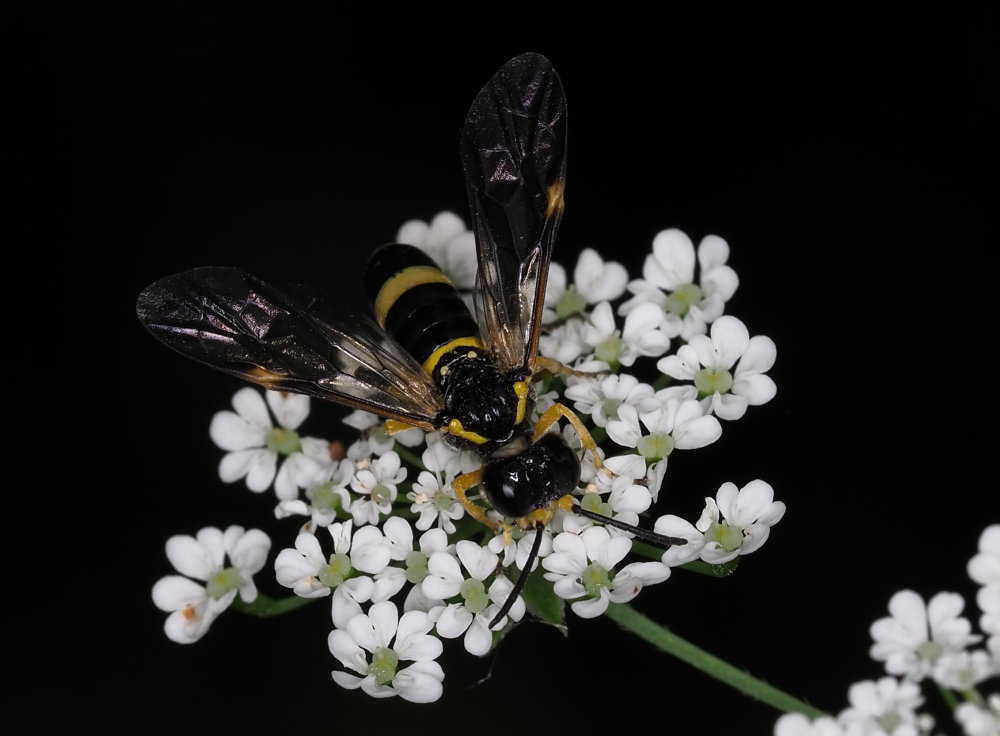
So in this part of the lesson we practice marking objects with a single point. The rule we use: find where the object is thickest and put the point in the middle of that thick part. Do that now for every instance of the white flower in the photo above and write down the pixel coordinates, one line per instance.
(192, 606)
(984, 568)
(375, 644)
(977, 721)
(601, 397)
(709, 362)
(448, 242)
(374, 439)
(625, 495)
(965, 669)
(676, 424)
(916, 635)
(738, 522)
(796, 724)
(326, 495)
(378, 481)
(888, 706)
(472, 615)
(581, 568)
(594, 280)
(565, 343)
(669, 283)
(253, 444)
(640, 335)
(432, 495)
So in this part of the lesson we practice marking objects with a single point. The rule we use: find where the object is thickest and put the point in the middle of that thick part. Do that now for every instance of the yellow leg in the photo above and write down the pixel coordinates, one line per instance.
(463, 483)
(554, 367)
(558, 411)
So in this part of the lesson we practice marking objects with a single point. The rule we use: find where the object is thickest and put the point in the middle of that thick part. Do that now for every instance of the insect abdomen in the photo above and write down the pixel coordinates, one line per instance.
(417, 304)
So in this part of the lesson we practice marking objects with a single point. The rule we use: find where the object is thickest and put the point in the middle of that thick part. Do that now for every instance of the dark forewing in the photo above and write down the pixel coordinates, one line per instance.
(513, 153)
(299, 342)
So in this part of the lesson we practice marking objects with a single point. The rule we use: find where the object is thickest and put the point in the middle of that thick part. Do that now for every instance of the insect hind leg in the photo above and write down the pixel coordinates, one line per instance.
(560, 411)
(463, 483)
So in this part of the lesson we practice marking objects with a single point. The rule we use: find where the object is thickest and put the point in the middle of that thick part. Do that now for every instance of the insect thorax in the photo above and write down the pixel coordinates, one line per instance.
(490, 403)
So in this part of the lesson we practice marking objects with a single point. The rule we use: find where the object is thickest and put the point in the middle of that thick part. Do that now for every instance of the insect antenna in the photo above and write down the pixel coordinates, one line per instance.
(660, 540)
(521, 579)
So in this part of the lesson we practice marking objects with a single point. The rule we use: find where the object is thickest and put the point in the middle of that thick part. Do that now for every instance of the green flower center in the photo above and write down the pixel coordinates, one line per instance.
(710, 381)
(594, 579)
(336, 571)
(930, 651)
(610, 350)
(416, 567)
(283, 441)
(570, 303)
(222, 582)
(325, 498)
(683, 298)
(593, 502)
(655, 446)
(729, 539)
(381, 494)
(473, 593)
(383, 666)
(610, 407)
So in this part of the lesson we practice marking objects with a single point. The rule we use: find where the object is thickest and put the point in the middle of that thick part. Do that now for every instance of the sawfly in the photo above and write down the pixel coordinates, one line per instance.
(422, 359)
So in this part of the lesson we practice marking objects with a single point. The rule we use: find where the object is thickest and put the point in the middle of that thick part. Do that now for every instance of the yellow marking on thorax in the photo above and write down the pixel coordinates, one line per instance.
(402, 282)
(521, 391)
(455, 427)
(470, 341)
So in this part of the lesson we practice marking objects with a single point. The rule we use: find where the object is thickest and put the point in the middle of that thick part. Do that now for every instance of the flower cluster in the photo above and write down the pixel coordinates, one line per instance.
(926, 641)
(654, 365)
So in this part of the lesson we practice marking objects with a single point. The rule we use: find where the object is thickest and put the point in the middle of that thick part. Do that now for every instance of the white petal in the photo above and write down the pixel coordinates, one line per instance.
(728, 406)
(346, 650)
(420, 682)
(261, 470)
(713, 251)
(752, 502)
(698, 433)
(232, 432)
(756, 389)
(672, 262)
(248, 550)
(597, 280)
(730, 338)
(290, 410)
(249, 404)
(720, 282)
(592, 607)
(683, 366)
(197, 558)
(453, 621)
(758, 357)
(361, 630)
(384, 617)
(478, 639)
(479, 561)
(234, 465)
(174, 592)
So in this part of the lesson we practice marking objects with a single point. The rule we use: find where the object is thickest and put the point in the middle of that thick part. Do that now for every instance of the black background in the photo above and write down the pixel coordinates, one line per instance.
(848, 160)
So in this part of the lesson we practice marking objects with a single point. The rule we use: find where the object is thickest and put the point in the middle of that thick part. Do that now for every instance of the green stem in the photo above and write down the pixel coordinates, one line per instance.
(948, 697)
(408, 456)
(665, 640)
(265, 606)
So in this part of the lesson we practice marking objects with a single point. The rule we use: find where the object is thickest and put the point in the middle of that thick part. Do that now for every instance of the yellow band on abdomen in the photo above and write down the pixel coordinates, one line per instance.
(471, 341)
(401, 283)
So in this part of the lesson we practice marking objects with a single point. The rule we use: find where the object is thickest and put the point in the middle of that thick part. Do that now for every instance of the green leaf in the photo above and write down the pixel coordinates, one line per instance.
(265, 606)
(542, 601)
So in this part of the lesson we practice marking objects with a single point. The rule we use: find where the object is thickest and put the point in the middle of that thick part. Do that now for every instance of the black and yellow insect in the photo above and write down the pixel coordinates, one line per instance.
(424, 360)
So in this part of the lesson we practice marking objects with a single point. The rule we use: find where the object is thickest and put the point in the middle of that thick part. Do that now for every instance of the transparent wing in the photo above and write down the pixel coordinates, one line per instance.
(514, 156)
(299, 341)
